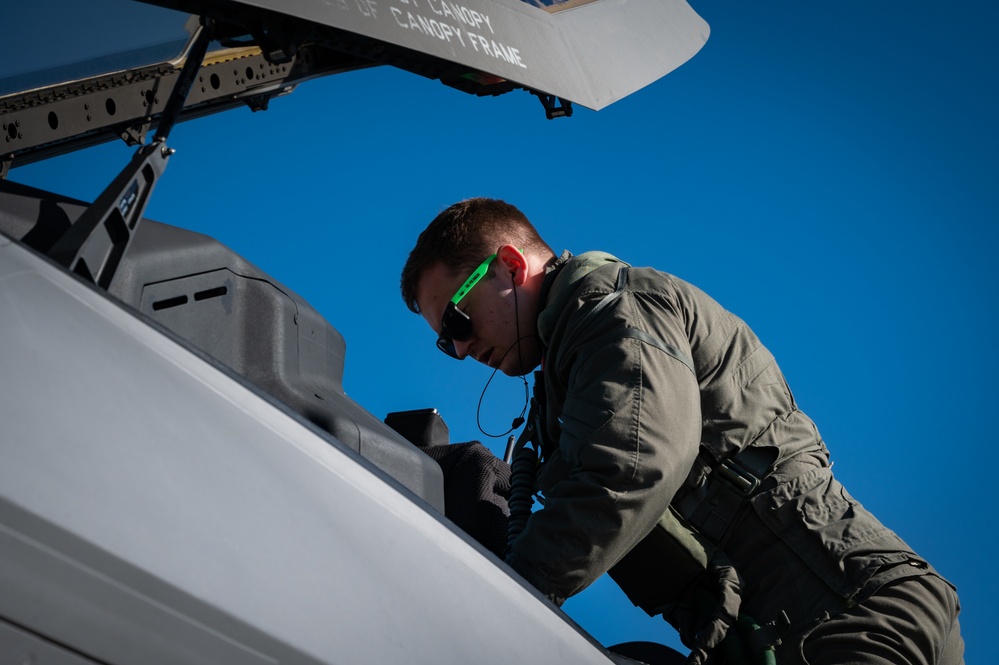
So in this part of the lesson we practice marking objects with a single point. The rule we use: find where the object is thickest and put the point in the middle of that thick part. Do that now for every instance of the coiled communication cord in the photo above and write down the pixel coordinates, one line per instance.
(523, 478)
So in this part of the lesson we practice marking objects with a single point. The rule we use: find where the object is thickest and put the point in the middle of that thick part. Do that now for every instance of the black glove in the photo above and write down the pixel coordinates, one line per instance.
(710, 609)
(476, 490)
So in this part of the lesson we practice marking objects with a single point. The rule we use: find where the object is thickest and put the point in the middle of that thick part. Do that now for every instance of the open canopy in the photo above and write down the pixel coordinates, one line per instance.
(70, 87)
(591, 52)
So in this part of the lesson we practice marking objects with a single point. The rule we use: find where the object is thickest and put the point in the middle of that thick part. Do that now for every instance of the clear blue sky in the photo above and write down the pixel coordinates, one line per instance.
(826, 170)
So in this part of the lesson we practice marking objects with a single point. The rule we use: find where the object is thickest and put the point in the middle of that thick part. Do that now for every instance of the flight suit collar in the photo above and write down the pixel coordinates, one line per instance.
(560, 281)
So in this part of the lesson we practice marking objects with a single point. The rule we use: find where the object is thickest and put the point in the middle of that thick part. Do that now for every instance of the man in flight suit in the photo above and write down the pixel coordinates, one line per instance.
(669, 436)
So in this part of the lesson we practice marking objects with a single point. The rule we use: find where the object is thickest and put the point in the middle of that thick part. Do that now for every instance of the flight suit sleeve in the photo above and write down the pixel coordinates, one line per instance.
(630, 422)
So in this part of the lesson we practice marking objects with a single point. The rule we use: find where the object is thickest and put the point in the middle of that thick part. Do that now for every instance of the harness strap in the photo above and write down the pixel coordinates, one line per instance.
(712, 506)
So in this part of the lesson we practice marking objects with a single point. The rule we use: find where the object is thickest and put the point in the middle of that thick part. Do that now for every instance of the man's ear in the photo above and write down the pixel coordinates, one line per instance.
(513, 261)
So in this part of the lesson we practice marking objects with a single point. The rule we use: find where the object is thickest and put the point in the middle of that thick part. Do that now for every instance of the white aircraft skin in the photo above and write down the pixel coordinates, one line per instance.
(156, 509)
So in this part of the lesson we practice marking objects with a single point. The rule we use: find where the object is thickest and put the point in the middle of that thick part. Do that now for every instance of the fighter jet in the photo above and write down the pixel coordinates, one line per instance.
(183, 478)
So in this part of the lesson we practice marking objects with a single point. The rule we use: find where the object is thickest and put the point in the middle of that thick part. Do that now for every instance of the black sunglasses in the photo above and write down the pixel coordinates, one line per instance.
(456, 326)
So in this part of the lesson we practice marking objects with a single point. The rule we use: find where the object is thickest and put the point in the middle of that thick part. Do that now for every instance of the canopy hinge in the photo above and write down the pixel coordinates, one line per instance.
(555, 107)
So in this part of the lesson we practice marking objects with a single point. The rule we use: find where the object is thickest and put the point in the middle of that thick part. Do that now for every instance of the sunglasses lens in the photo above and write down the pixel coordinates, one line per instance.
(446, 345)
(455, 323)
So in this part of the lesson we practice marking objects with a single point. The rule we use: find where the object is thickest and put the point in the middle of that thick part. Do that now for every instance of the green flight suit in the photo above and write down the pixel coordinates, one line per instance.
(649, 384)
